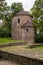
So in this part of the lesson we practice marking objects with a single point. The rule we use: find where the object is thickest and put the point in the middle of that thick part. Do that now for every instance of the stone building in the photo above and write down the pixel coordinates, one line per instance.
(22, 27)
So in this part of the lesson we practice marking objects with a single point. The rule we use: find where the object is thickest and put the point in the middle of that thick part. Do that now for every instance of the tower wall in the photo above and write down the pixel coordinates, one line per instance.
(19, 33)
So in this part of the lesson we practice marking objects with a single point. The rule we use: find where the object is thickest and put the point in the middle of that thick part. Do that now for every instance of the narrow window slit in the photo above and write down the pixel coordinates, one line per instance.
(18, 20)
(27, 29)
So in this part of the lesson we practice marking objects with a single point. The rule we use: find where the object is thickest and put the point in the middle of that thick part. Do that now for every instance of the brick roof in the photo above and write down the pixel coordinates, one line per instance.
(27, 24)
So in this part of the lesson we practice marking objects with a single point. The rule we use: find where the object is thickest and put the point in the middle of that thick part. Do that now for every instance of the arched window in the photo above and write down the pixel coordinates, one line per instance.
(18, 20)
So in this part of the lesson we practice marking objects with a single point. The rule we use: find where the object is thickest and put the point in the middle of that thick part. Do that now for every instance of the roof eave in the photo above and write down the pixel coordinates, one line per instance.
(26, 26)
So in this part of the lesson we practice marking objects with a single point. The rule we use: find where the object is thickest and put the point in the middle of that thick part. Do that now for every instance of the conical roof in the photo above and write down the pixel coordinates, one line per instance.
(22, 12)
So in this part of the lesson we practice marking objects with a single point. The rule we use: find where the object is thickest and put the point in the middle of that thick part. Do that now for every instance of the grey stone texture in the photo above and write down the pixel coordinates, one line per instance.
(12, 44)
(23, 28)
(22, 60)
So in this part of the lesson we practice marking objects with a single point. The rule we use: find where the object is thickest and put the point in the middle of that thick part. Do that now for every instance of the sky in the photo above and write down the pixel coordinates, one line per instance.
(27, 4)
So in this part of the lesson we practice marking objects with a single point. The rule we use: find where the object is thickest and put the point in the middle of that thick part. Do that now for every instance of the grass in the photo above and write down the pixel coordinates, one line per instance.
(38, 48)
(8, 40)
(35, 48)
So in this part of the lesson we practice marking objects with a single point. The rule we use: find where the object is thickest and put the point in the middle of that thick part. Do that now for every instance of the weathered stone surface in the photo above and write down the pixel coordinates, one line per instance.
(20, 59)
(6, 62)
(12, 44)
(21, 33)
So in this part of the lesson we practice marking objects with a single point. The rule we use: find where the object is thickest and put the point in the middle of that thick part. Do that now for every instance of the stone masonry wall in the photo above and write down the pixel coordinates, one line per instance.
(28, 36)
(17, 32)
(20, 59)
(12, 44)
(16, 27)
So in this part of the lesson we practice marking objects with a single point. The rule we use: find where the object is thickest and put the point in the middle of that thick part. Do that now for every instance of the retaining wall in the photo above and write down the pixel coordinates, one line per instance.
(12, 44)
(20, 59)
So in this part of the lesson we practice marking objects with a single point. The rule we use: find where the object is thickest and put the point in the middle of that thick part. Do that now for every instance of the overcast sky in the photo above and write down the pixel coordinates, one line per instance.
(27, 4)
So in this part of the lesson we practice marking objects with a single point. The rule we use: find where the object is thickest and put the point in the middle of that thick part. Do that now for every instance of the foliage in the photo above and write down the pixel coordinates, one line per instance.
(2, 0)
(37, 13)
(4, 33)
(6, 13)
(39, 38)
(37, 10)
(3, 9)
(15, 7)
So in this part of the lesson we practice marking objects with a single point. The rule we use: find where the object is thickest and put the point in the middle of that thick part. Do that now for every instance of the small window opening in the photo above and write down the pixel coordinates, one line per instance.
(0, 57)
(18, 20)
(27, 29)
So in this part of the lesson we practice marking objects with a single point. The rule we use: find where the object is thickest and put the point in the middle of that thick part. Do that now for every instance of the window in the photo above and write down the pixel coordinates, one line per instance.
(27, 29)
(18, 20)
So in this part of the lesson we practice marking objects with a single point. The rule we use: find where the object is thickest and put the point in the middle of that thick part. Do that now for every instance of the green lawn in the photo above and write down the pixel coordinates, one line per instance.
(38, 48)
(35, 48)
(7, 40)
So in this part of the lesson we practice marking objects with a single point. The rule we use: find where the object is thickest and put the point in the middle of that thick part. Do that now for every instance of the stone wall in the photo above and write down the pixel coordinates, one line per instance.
(28, 36)
(16, 27)
(12, 44)
(22, 60)
(19, 33)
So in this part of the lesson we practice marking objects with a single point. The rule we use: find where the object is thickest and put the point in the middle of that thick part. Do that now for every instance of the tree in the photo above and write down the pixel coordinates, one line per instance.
(2, 0)
(37, 13)
(3, 9)
(15, 7)
(37, 9)
(6, 13)
(10, 11)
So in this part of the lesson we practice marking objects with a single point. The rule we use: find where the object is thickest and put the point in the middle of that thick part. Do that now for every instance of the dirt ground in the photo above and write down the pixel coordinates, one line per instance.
(5, 62)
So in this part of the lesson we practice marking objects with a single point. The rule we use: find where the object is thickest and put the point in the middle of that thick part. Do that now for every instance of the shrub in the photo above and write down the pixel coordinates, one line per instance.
(4, 33)
(39, 38)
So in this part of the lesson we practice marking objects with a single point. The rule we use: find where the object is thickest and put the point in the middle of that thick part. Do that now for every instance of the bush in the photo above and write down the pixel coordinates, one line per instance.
(39, 38)
(4, 33)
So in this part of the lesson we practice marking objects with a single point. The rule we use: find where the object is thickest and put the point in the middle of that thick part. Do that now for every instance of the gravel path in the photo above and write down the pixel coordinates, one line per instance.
(5, 62)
